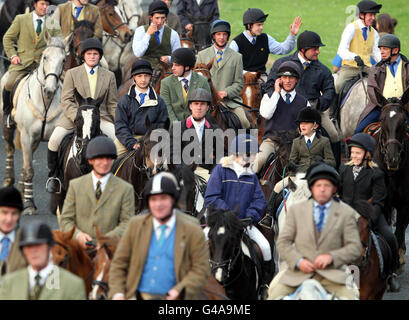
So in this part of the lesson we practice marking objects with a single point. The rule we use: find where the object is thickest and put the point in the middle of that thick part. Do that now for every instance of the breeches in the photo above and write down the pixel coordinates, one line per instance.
(59, 133)
(344, 74)
(239, 111)
(371, 117)
(385, 231)
(15, 75)
(267, 147)
(120, 148)
(329, 126)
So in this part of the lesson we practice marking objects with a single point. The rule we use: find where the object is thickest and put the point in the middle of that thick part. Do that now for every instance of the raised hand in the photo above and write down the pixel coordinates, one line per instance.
(295, 26)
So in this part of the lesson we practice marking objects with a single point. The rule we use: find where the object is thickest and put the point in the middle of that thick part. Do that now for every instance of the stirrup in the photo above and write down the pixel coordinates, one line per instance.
(49, 180)
(267, 222)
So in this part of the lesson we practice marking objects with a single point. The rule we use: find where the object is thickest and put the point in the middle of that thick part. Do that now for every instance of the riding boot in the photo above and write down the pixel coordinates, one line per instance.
(336, 150)
(334, 108)
(53, 184)
(267, 277)
(268, 219)
(7, 106)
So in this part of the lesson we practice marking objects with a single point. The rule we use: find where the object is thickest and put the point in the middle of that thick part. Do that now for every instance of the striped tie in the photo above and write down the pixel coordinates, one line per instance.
(37, 288)
(185, 84)
(219, 57)
(306, 64)
(98, 191)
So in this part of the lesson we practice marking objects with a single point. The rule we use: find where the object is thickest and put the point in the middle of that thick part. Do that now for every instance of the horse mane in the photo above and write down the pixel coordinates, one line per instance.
(84, 24)
(56, 42)
(183, 171)
(75, 249)
(111, 2)
(251, 77)
(217, 218)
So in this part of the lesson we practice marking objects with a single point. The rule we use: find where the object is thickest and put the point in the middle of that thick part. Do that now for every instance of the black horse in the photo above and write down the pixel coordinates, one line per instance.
(201, 31)
(392, 156)
(230, 251)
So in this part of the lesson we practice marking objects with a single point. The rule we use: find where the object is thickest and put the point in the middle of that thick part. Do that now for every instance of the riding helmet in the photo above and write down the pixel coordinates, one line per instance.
(289, 68)
(321, 170)
(308, 114)
(389, 41)
(184, 57)
(309, 39)
(91, 43)
(367, 6)
(363, 141)
(162, 183)
(220, 26)
(254, 15)
(101, 146)
(158, 7)
(11, 197)
(35, 232)
(141, 66)
(244, 143)
(200, 94)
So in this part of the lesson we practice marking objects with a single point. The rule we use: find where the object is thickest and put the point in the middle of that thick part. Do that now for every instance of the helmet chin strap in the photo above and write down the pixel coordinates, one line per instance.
(167, 217)
(388, 60)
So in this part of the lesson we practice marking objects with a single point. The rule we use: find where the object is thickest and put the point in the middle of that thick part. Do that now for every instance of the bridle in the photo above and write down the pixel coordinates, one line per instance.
(103, 284)
(114, 28)
(67, 257)
(126, 16)
(228, 265)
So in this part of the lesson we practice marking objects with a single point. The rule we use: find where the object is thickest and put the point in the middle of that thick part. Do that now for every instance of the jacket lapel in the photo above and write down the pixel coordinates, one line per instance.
(314, 143)
(90, 189)
(23, 286)
(178, 88)
(309, 223)
(332, 219)
(225, 58)
(30, 26)
(193, 84)
(101, 77)
(179, 244)
(362, 174)
(85, 84)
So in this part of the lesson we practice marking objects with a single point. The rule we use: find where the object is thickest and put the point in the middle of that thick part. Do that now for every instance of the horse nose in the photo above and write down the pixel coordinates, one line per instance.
(128, 37)
(100, 297)
(48, 92)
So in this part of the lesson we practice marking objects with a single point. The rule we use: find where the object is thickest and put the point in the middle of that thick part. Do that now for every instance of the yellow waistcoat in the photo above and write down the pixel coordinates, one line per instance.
(92, 80)
(361, 47)
(393, 85)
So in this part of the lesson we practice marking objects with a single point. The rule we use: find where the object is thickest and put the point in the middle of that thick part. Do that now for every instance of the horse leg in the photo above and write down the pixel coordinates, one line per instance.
(28, 197)
(402, 221)
(9, 172)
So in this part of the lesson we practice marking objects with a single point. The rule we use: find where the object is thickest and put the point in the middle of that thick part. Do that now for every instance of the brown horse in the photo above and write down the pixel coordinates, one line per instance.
(251, 93)
(69, 254)
(186, 40)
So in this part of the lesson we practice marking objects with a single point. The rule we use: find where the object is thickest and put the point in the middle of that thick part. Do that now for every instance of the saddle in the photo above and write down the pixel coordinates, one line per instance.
(231, 119)
(373, 128)
(62, 151)
(346, 90)
(18, 85)
(255, 254)
(118, 163)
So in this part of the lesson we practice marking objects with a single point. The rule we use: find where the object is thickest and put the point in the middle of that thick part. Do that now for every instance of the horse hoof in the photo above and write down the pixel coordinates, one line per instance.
(402, 256)
(8, 182)
(29, 209)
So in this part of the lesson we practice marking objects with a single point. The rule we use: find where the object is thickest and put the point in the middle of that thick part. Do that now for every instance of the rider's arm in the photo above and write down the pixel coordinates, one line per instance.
(346, 38)
(258, 203)
(235, 88)
(10, 38)
(181, 9)
(234, 46)
(269, 105)
(69, 212)
(285, 47)
(68, 102)
(112, 99)
(123, 131)
(327, 90)
(376, 52)
(328, 154)
(161, 115)
(174, 42)
(140, 42)
(214, 190)
(165, 95)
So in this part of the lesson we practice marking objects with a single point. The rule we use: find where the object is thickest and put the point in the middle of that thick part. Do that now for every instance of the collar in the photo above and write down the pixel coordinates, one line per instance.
(362, 25)
(103, 180)
(88, 69)
(73, 6)
(170, 223)
(292, 93)
(188, 77)
(215, 50)
(35, 17)
(249, 37)
(310, 138)
(396, 62)
(302, 60)
(137, 92)
(190, 122)
(44, 273)
(327, 205)
(11, 235)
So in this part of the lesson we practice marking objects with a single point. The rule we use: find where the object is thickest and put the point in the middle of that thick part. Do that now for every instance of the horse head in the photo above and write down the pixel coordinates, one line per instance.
(112, 22)
(131, 12)
(83, 30)
(225, 234)
(186, 178)
(251, 92)
(392, 141)
(161, 71)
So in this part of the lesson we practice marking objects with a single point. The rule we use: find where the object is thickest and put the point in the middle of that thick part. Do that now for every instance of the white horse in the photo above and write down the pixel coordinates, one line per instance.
(36, 109)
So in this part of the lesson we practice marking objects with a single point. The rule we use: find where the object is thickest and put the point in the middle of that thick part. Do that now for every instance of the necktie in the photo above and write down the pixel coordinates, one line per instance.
(185, 84)
(92, 72)
(253, 42)
(308, 143)
(39, 23)
(157, 37)
(219, 57)
(142, 98)
(306, 64)
(5, 248)
(320, 223)
(287, 98)
(37, 288)
(365, 32)
(201, 132)
(77, 12)
(162, 235)
(392, 68)
(98, 191)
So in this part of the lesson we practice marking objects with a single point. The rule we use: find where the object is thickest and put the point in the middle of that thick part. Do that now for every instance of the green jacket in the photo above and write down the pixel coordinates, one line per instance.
(29, 45)
(64, 286)
(171, 92)
(228, 77)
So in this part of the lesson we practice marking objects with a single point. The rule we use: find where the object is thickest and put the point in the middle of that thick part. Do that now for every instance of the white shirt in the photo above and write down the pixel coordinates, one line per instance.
(11, 235)
(346, 38)
(137, 92)
(103, 180)
(222, 50)
(44, 273)
(310, 138)
(269, 105)
(198, 2)
(35, 17)
(187, 77)
(141, 41)
(199, 127)
(88, 69)
(170, 224)
(302, 60)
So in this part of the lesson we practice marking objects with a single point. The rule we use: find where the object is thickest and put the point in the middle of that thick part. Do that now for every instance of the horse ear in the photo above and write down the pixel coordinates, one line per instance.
(380, 98)
(70, 233)
(81, 101)
(47, 36)
(67, 42)
(193, 166)
(405, 97)
(98, 102)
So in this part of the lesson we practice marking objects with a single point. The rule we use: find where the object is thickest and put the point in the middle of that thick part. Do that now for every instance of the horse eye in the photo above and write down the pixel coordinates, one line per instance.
(111, 14)
(45, 57)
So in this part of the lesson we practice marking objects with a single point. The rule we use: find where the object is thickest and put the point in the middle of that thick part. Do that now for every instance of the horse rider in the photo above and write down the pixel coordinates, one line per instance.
(389, 77)
(11, 206)
(177, 88)
(232, 183)
(141, 101)
(98, 198)
(359, 42)
(316, 82)
(88, 80)
(162, 252)
(172, 20)
(27, 33)
(255, 46)
(41, 280)
(361, 179)
(192, 11)
(280, 109)
(319, 239)
(227, 69)
(201, 138)
(155, 41)
(77, 10)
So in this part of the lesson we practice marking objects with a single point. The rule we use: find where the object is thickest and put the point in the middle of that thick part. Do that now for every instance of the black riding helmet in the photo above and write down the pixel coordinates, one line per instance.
(321, 171)
(91, 43)
(254, 15)
(101, 146)
(158, 7)
(363, 141)
(184, 57)
(367, 6)
(308, 114)
(35, 232)
(11, 197)
(309, 39)
(200, 94)
(162, 183)
(289, 68)
(220, 26)
(141, 66)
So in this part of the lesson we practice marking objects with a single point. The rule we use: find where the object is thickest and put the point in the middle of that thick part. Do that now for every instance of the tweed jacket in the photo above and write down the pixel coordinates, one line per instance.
(15, 260)
(29, 46)
(299, 239)
(229, 76)
(320, 150)
(171, 92)
(63, 15)
(76, 78)
(111, 213)
(191, 256)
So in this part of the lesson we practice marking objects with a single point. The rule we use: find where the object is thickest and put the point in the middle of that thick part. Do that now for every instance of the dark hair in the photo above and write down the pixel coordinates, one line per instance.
(386, 23)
